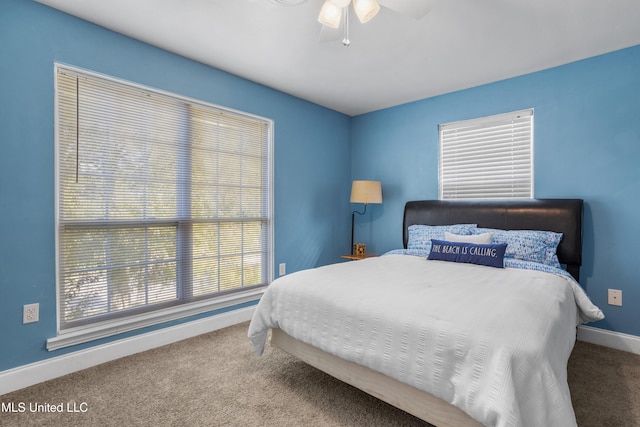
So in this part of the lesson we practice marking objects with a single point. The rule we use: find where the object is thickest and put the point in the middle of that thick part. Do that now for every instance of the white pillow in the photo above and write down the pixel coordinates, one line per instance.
(480, 239)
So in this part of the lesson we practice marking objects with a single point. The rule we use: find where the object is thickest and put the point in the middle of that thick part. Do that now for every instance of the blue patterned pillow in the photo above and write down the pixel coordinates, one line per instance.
(420, 235)
(491, 255)
(527, 245)
(412, 252)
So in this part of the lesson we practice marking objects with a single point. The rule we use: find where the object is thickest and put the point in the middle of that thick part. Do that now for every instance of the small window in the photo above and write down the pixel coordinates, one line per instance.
(488, 157)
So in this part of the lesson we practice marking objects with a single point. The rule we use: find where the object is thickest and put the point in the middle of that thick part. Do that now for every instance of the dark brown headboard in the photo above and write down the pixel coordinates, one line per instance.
(559, 215)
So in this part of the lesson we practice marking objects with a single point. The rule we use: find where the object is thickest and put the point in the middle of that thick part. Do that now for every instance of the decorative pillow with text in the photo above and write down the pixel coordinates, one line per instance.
(491, 255)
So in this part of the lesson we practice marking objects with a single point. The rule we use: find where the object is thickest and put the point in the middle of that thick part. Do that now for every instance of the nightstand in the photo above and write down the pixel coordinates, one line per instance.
(359, 257)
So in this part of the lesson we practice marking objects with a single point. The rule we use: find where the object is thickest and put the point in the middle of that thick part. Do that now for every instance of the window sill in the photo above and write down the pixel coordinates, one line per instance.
(97, 331)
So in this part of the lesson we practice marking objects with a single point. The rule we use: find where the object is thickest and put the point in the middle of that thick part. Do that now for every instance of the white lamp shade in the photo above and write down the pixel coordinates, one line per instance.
(330, 14)
(366, 9)
(366, 192)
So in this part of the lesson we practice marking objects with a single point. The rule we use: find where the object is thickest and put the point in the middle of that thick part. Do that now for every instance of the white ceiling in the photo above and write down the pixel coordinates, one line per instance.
(392, 60)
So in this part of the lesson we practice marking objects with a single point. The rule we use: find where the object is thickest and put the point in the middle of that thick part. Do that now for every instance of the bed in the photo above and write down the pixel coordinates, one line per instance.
(453, 343)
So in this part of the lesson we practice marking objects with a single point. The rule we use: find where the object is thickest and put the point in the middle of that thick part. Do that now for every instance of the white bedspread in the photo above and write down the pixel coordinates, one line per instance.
(493, 342)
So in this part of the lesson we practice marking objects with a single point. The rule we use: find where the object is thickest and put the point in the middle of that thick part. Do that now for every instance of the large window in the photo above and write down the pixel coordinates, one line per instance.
(487, 158)
(163, 205)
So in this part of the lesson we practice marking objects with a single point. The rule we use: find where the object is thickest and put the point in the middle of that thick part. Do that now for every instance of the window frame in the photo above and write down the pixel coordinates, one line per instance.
(473, 131)
(104, 328)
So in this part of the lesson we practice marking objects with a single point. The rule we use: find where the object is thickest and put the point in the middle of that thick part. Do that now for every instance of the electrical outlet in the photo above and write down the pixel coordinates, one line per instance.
(615, 297)
(282, 269)
(31, 313)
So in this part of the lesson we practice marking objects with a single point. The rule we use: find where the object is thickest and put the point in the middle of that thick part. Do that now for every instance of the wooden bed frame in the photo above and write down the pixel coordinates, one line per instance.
(560, 215)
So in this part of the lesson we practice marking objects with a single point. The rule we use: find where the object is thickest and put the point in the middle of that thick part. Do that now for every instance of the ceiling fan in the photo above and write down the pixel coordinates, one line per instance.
(334, 14)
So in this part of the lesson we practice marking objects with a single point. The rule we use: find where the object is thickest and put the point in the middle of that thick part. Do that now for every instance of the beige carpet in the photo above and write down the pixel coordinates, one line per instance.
(216, 380)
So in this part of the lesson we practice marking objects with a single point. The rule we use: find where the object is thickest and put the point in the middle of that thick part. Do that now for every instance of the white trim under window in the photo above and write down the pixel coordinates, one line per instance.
(163, 206)
(488, 157)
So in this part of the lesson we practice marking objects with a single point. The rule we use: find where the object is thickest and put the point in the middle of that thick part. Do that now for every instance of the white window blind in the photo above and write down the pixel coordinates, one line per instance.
(488, 157)
(161, 200)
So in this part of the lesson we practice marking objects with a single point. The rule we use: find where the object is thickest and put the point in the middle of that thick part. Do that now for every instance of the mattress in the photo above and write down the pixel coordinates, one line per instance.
(493, 342)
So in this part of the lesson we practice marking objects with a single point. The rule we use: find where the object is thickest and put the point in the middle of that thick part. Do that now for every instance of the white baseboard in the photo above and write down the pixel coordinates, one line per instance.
(615, 340)
(34, 373)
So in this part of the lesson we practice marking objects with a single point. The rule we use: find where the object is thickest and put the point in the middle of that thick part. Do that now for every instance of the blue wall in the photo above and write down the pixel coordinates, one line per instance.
(587, 145)
(311, 157)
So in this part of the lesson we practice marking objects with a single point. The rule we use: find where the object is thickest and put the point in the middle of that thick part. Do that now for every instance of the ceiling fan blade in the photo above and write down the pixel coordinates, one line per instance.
(328, 34)
(414, 8)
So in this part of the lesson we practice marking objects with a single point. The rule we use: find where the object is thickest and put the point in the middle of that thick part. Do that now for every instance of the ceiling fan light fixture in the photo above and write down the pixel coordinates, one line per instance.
(330, 14)
(366, 9)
